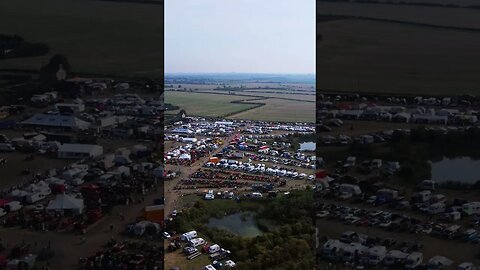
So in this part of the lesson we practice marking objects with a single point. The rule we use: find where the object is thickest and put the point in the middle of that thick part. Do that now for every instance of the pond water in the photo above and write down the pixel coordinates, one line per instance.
(463, 169)
(241, 224)
(308, 146)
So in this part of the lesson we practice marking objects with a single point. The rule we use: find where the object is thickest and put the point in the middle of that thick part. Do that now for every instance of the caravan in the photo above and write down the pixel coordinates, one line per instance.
(376, 254)
(471, 208)
(197, 242)
(395, 257)
(188, 235)
(413, 260)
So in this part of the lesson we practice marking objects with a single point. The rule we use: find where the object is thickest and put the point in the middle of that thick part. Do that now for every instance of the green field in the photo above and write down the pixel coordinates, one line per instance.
(201, 104)
(217, 105)
(366, 56)
(96, 36)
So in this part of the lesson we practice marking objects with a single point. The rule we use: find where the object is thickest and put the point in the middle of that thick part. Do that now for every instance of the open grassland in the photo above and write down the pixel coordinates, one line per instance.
(101, 37)
(366, 56)
(203, 104)
(457, 17)
(280, 110)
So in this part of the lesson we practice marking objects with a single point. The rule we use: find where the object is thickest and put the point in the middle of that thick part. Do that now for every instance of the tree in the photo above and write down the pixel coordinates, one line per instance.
(48, 73)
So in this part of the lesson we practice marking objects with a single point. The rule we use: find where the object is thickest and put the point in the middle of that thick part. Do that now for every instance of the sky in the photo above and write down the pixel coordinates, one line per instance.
(242, 36)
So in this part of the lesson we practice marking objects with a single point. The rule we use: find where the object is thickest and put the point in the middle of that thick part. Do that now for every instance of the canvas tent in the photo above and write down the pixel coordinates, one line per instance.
(66, 204)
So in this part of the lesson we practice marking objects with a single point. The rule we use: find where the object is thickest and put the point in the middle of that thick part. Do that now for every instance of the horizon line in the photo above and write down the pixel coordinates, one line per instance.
(258, 73)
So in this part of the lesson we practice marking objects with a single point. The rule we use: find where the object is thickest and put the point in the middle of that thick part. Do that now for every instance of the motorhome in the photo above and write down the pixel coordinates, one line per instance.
(352, 250)
(413, 260)
(331, 248)
(376, 254)
(395, 257)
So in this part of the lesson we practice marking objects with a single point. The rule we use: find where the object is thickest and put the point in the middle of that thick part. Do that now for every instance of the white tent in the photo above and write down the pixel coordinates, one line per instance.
(66, 202)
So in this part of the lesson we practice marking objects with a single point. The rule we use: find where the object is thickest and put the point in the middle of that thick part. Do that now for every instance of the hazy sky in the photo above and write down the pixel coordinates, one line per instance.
(252, 36)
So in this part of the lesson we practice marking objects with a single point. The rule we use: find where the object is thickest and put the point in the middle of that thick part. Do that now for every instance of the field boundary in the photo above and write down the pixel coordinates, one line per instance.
(441, 27)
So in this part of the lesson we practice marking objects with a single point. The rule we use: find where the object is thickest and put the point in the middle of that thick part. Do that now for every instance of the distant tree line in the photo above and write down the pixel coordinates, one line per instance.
(13, 46)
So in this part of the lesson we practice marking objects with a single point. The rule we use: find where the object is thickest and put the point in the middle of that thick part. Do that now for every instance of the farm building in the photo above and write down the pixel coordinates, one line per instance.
(79, 151)
(56, 121)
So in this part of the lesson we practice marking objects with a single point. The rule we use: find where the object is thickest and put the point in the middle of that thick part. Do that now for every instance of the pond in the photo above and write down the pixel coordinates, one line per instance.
(462, 169)
(242, 224)
(308, 146)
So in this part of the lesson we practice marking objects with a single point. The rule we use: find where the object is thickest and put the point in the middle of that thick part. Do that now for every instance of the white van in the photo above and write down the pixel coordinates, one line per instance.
(257, 195)
(197, 242)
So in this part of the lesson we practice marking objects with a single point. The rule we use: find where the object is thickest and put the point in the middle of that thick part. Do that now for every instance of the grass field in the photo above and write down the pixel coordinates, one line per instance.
(96, 36)
(432, 15)
(366, 56)
(202, 104)
(216, 105)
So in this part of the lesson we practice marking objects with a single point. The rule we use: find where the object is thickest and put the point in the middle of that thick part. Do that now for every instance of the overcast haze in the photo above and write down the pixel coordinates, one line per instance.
(245, 36)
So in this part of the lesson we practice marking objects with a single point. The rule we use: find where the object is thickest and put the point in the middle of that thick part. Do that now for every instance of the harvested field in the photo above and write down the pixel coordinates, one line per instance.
(456, 17)
(96, 36)
(280, 110)
(366, 56)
